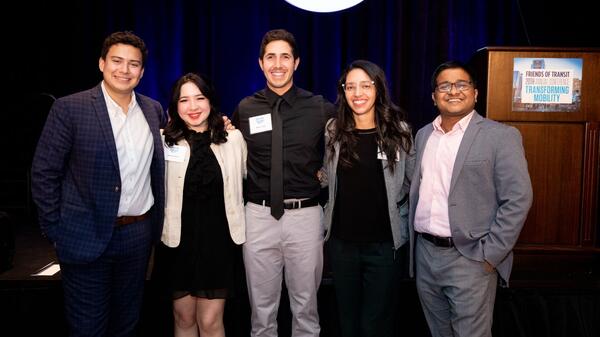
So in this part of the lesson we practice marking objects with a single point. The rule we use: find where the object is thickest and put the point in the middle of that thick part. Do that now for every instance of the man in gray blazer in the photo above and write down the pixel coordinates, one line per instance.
(469, 198)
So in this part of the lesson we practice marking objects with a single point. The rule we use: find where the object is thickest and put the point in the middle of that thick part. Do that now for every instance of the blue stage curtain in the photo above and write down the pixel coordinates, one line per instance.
(53, 46)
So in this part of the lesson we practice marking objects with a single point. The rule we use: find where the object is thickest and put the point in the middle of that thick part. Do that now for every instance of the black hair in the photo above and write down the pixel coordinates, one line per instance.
(176, 128)
(452, 65)
(125, 37)
(278, 35)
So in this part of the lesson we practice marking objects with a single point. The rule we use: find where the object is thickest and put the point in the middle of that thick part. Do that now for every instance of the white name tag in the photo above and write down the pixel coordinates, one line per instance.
(260, 123)
(175, 153)
(381, 155)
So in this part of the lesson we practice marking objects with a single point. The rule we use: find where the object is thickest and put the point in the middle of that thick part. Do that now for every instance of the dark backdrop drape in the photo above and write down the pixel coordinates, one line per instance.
(53, 47)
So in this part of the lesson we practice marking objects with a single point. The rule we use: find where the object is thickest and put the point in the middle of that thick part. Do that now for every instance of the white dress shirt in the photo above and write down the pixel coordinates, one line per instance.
(134, 150)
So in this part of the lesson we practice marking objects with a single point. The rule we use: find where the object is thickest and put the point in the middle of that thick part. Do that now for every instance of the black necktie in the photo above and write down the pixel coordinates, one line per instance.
(276, 163)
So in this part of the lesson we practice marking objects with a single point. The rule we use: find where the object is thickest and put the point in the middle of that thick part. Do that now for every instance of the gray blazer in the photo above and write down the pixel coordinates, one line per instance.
(490, 191)
(397, 186)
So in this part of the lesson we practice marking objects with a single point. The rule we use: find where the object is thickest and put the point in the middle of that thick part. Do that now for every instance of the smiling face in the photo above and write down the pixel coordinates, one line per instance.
(454, 104)
(360, 93)
(193, 107)
(122, 69)
(278, 65)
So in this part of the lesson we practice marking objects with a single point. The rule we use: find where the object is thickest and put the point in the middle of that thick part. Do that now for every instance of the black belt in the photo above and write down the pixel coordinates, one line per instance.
(438, 241)
(290, 204)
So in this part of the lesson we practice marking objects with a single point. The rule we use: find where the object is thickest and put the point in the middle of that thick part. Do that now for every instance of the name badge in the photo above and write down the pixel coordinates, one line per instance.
(381, 155)
(175, 153)
(260, 123)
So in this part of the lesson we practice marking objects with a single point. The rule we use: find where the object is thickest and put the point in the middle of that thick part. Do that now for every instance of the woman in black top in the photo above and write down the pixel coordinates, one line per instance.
(200, 260)
(369, 160)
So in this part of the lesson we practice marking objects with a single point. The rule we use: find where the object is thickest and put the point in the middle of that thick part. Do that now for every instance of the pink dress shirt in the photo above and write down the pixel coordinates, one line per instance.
(437, 164)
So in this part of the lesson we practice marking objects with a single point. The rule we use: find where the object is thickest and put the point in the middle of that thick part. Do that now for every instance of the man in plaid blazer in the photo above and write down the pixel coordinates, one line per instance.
(98, 182)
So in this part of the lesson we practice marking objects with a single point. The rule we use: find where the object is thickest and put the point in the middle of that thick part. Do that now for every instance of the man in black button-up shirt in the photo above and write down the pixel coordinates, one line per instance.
(296, 239)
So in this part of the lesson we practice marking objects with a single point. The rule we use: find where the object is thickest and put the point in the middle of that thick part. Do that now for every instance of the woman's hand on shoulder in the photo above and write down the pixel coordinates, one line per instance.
(227, 122)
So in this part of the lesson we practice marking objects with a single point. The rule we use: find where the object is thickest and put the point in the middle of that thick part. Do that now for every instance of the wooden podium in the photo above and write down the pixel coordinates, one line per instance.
(559, 244)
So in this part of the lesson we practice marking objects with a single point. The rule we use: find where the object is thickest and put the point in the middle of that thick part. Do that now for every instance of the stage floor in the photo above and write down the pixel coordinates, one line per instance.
(533, 306)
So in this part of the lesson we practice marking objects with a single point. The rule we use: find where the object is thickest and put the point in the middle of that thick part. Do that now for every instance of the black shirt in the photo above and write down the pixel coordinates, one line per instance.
(361, 212)
(303, 118)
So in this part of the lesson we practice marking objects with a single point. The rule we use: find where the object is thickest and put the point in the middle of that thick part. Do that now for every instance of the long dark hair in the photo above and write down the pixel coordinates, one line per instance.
(176, 128)
(392, 129)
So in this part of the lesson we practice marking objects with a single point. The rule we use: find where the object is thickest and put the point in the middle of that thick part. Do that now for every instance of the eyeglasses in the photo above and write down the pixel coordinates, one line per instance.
(364, 86)
(461, 86)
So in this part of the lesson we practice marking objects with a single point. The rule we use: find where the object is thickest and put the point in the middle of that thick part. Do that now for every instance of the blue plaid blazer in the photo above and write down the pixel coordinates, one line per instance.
(75, 179)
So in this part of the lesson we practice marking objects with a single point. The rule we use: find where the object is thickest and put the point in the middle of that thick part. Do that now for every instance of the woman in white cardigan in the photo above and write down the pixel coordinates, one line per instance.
(204, 210)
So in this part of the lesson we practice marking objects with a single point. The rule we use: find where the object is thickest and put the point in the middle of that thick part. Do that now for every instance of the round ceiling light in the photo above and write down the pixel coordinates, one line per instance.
(323, 6)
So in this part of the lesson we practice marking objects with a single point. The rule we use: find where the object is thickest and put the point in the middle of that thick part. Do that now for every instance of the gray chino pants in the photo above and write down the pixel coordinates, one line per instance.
(456, 293)
(291, 247)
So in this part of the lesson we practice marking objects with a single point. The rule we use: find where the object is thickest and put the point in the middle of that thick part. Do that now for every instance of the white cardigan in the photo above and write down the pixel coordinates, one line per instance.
(231, 156)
